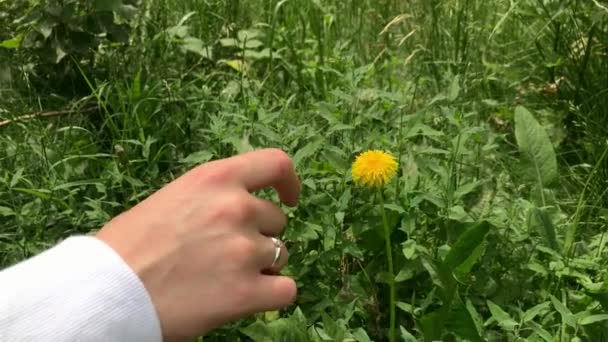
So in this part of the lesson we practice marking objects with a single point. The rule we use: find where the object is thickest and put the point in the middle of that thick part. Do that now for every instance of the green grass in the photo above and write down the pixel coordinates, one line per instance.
(485, 246)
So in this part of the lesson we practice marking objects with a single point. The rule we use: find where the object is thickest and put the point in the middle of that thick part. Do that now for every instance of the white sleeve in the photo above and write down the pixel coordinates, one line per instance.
(79, 290)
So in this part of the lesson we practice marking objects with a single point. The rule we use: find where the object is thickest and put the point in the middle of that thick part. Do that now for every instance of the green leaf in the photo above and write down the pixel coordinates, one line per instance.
(360, 335)
(409, 249)
(229, 42)
(6, 211)
(597, 291)
(17, 177)
(134, 181)
(432, 325)
(538, 268)
(57, 53)
(409, 308)
(466, 245)
(107, 5)
(466, 189)
(442, 278)
(257, 331)
(502, 317)
(461, 323)
(395, 208)
(406, 336)
(536, 148)
(45, 27)
(197, 158)
(536, 310)
(253, 44)
(454, 90)
(567, 316)
(541, 332)
(593, 319)
(406, 273)
(475, 316)
(465, 268)
(127, 11)
(307, 151)
(542, 221)
(197, 46)
(13, 43)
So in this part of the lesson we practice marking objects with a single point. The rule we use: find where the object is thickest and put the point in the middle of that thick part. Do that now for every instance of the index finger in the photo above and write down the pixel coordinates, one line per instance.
(268, 168)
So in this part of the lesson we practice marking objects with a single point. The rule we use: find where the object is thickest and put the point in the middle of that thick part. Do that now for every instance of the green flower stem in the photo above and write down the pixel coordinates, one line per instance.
(389, 258)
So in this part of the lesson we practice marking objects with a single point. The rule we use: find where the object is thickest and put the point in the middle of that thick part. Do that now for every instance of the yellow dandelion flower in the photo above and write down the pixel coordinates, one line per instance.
(374, 168)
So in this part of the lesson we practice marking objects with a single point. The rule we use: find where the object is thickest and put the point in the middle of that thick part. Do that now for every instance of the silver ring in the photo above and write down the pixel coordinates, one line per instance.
(278, 244)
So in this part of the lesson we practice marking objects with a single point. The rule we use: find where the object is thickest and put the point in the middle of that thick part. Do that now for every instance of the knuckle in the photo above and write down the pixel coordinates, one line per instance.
(214, 173)
(234, 206)
(239, 206)
(218, 174)
(242, 246)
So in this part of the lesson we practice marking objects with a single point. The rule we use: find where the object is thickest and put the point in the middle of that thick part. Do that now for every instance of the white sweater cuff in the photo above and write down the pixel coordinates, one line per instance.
(80, 290)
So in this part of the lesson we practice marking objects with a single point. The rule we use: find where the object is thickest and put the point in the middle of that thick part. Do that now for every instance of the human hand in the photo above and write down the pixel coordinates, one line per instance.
(202, 247)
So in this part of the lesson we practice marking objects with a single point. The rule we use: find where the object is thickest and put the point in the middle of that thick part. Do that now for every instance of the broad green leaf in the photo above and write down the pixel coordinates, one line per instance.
(244, 35)
(536, 148)
(458, 214)
(593, 319)
(229, 42)
(465, 268)
(502, 317)
(597, 291)
(56, 53)
(197, 158)
(127, 11)
(475, 316)
(465, 245)
(236, 64)
(406, 273)
(433, 324)
(454, 90)
(307, 151)
(45, 27)
(541, 332)
(6, 211)
(134, 181)
(406, 335)
(107, 5)
(567, 316)
(360, 335)
(197, 46)
(257, 331)
(13, 43)
(253, 44)
(17, 177)
(461, 323)
(466, 189)
(409, 308)
(255, 55)
(420, 129)
(409, 249)
(542, 222)
(441, 278)
(536, 310)
(431, 268)
(395, 208)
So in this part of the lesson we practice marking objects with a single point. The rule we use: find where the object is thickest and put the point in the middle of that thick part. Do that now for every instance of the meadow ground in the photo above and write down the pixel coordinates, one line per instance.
(496, 112)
